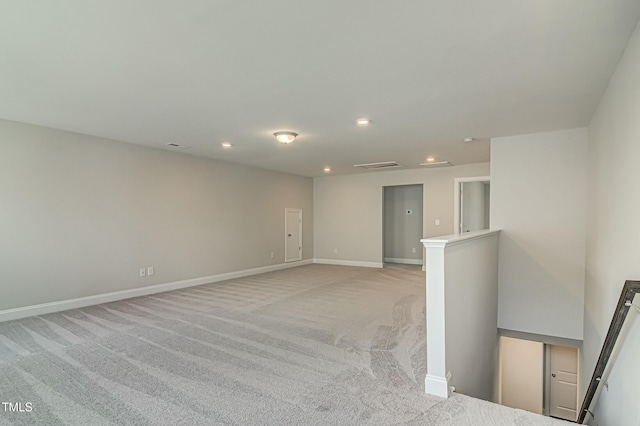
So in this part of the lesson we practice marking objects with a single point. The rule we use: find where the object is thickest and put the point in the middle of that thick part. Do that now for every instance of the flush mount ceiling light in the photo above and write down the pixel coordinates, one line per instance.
(363, 121)
(430, 159)
(327, 169)
(226, 144)
(285, 137)
(467, 140)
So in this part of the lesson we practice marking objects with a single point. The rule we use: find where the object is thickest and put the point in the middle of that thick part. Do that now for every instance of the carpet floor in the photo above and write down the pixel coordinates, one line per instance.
(312, 345)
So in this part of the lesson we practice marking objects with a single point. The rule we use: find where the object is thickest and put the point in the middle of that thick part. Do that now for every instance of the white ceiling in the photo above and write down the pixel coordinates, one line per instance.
(199, 72)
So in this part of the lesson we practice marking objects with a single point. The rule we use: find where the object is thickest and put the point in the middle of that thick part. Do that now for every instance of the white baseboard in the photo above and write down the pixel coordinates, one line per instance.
(81, 302)
(349, 263)
(438, 386)
(403, 261)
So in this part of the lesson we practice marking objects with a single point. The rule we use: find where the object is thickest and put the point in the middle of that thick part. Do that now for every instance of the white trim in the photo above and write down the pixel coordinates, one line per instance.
(404, 261)
(451, 240)
(438, 386)
(81, 302)
(286, 237)
(456, 197)
(349, 263)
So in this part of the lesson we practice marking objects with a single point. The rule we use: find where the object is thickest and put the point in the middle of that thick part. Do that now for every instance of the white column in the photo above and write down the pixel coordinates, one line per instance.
(435, 382)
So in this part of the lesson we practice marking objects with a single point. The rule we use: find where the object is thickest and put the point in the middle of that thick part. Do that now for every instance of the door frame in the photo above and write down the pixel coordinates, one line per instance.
(286, 236)
(457, 182)
(382, 213)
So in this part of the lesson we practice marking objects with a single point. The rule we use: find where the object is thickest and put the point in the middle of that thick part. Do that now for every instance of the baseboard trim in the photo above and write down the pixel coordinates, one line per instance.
(438, 386)
(403, 261)
(81, 302)
(349, 263)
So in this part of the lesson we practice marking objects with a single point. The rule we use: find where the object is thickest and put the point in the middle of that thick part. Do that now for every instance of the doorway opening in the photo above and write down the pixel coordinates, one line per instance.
(402, 224)
(472, 204)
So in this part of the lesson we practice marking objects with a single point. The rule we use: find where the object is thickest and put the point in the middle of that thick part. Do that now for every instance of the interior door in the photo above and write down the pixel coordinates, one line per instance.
(293, 235)
(563, 393)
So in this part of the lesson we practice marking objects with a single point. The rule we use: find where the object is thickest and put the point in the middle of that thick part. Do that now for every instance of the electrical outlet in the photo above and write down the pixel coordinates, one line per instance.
(413, 250)
(273, 255)
(437, 222)
(335, 250)
(150, 271)
(143, 272)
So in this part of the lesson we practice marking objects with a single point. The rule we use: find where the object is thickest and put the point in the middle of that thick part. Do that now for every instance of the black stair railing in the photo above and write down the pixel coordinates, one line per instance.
(629, 290)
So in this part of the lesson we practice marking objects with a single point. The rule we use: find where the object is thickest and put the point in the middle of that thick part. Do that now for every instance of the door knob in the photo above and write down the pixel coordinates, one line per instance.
(289, 234)
(553, 374)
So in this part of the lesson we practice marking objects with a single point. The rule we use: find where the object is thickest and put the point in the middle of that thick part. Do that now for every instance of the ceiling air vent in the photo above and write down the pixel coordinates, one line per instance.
(382, 165)
(437, 164)
(175, 145)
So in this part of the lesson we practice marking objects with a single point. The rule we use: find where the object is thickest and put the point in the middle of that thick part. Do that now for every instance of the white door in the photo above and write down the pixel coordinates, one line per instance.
(292, 235)
(563, 393)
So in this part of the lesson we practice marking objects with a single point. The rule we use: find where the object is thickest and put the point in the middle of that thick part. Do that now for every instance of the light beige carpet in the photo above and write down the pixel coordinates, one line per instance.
(311, 345)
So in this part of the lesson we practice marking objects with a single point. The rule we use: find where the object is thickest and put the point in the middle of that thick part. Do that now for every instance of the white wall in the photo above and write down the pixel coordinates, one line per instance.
(538, 200)
(80, 215)
(348, 209)
(613, 236)
(521, 374)
(402, 231)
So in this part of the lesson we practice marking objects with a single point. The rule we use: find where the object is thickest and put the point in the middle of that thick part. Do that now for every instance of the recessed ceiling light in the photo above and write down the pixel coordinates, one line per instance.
(363, 121)
(430, 159)
(327, 169)
(227, 144)
(467, 140)
(285, 137)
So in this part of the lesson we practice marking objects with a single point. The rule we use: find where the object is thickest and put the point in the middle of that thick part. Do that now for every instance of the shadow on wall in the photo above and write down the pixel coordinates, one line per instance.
(535, 299)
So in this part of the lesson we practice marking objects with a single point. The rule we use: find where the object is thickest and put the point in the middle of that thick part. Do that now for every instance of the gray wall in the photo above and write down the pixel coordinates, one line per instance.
(402, 231)
(487, 205)
(613, 235)
(473, 206)
(538, 200)
(471, 306)
(80, 215)
(348, 209)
